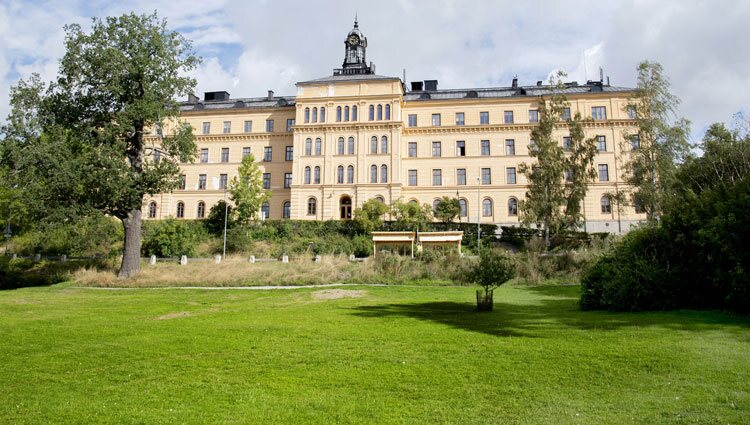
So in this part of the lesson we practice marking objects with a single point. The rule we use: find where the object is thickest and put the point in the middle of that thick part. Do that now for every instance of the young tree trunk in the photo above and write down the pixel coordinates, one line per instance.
(131, 256)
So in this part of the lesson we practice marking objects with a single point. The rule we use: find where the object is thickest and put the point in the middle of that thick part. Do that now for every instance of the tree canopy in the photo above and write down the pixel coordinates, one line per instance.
(246, 190)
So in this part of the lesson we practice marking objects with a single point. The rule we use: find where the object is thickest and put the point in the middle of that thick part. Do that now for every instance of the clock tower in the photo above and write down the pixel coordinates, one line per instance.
(354, 57)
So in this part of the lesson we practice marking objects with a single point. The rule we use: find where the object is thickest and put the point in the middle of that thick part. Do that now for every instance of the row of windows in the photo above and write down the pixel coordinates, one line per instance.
(267, 154)
(597, 113)
(247, 126)
(312, 174)
(346, 114)
(200, 210)
(345, 147)
(486, 176)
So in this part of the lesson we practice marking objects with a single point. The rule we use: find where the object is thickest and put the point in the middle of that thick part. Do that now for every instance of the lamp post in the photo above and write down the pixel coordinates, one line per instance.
(479, 213)
(226, 213)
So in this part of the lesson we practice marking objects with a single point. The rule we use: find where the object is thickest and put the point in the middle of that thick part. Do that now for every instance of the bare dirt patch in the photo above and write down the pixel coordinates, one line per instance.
(175, 315)
(335, 294)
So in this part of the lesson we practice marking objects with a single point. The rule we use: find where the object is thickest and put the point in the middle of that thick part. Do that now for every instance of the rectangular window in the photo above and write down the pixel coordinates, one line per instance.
(437, 177)
(567, 144)
(508, 117)
(289, 124)
(412, 120)
(267, 153)
(460, 148)
(412, 149)
(204, 155)
(460, 119)
(269, 126)
(533, 115)
(603, 172)
(484, 118)
(485, 147)
(436, 120)
(201, 182)
(599, 112)
(183, 182)
(486, 176)
(287, 180)
(224, 154)
(436, 149)
(635, 142)
(461, 176)
(266, 180)
(289, 153)
(245, 152)
(412, 177)
(248, 126)
(222, 181)
(510, 175)
(510, 147)
(601, 143)
(206, 127)
(566, 114)
(227, 127)
(533, 146)
(631, 112)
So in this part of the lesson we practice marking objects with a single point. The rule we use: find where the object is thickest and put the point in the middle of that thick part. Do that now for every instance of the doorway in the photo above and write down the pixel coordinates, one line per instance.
(346, 208)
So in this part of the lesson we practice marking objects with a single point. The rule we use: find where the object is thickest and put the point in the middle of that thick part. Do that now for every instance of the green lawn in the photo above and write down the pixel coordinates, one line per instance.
(396, 355)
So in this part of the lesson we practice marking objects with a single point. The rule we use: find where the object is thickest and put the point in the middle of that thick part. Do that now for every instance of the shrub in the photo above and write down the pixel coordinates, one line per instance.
(95, 235)
(171, 237)
(493, 269)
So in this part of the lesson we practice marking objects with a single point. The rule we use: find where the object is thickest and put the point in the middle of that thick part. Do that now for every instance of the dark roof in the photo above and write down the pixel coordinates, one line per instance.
(499, 92)
(244, 102)
(349, 77)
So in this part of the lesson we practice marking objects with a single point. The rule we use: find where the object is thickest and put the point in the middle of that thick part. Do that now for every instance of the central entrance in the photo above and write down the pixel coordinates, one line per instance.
(346, 207)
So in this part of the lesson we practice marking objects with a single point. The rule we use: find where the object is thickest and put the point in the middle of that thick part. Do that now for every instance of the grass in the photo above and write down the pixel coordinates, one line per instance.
(389, 355)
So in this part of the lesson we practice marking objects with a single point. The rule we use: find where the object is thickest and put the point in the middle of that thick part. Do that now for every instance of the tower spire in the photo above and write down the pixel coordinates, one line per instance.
(356, 24)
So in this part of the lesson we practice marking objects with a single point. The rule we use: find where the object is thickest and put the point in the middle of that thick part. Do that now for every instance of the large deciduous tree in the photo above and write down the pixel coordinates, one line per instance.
(447, 209)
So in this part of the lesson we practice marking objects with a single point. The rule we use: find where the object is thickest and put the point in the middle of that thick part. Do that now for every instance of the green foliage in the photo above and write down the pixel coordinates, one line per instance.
(411, 216)
(172, 237)
(493, 269)
(447, 209)
(94, 235)
(370, 216)
(214, 222)
(246, 190)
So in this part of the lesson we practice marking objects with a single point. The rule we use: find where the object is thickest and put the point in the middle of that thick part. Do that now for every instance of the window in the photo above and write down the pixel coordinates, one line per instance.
(227, 127)
(436, 149)
(307, 175)
(380, 112)
(308, 147)
(510, 175)
(201, 212)
(599, 112)
(412, 120)
(346, 113)
(460, 120)
(606, 205)
(603, 172)
(384, 144)
(180, 209)
(316, 175)
(224, 154)
(566, 114)
(183, 182)
(354, 113)
(461, 176)
(157, 155)
(484, 118)
(435, 204)
(248, 126)
(265, 211)
(631, 112)
(322, 114)
(158, 130)
(412, 149)
(373, 174)
(372, 112)
(487, 207)
(460, 148)
(486, 176)
(222, 181)
(638, 206)
(312, 206)
(289, 153)
(267, 153)
(245, 151)
(383, 173)
(436, 120)
(266, 180)
(206, 128)
(269, 126)
(601, 143)
(152, 209)
(437, 177)
(287, 180)
(340, 174)
(307, 115)
(567, 144)
(568, 176)
(374, 144)
(318, 146)
(387, 112)
(463, 208)
(533, 146)
(340, 146)
(485, 147)
(286, 209)
(338, 114)
(204, 155)
(412, 177)
(201, 182)
(350, 174)
(512, 207)
(635, 142)
(289, 124)
(350, 146)
(510, 147)
(508, 117)
(533, 115)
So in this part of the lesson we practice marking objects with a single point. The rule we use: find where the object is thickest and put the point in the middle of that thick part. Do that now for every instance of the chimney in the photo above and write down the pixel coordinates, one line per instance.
(601, 75)
(416, 86)
(270, 95)
(607, 80)
(515, 81)
(431, 85)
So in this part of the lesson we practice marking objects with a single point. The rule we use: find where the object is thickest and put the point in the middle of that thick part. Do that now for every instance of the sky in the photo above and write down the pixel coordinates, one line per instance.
(251, 46)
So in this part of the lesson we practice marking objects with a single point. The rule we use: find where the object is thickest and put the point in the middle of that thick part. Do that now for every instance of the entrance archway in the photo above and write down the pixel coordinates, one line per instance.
(345, 207)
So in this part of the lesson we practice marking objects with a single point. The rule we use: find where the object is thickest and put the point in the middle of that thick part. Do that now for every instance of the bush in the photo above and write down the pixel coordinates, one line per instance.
(171, 237)
(95, 235)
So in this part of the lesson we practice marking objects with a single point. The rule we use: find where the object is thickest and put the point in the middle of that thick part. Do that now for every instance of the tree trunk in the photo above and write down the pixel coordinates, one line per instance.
(131, 256)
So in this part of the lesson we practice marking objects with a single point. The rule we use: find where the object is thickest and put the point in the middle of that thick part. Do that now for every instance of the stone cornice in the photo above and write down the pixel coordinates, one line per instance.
(497, 128)
(348, 126)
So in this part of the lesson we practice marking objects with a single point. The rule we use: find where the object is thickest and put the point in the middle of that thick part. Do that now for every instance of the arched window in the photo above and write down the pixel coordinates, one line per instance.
(380, 112)
(322, 114)
(341, 146)
(340, 174)
(312, 206)
(374, 174)
(374, 144)
(338, 113)
(286, 210)
(201, 212)
(316, 175)
(354, 113)
(346, 113)
(318, 146)
(307, 175)
(265, 211)
(387, 112)
(513, 207)
(372, 112)
(350, 146)
(384, 144)
(315, 115)
(487, 207)
(380, 198)
(308, 146)
(383, 173)
(152, 209)
(180, 209)
(435, 204)
(463, 208)
(307, 114)
(350, 174)
(606, 205)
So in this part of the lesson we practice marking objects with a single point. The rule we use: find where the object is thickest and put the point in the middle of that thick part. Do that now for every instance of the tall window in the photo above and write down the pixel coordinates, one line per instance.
(510, 175)
(380, 112)
(485, 147)
(373, 174)
(383, 173)
(512, 207)
(631, 112)
(566, 114)
(601, 143)
(412, 149)
(286, 209)
(204, 155)
(372, 113)
(201, 212)
(222, 181)
(227, 127)
(340, 174)
(180, 209)
(157, 155)
(316, 175)
(510, 147)
(346, 113)
(384, 144)
(338, 114)
(567, 144)
(463, 208)
(152, 209)
(533, 146)
(461, 176)
(289, 124)
(533, 115)
(460, 119)
(206, 127)
(287, 180)
(245, 151)
(487, 207)
(486, 176)
(437, 177)
(183, 181)
(201, 182)
(266, 180)
(267, 153)
(265, 211)
(387, 112)
(307, 175)
(508, 117)
(224, 154)
(436, 149)
(289, 153)
(307, 115)
(599, 112)
(460, 148)
(354, 113)
(374, 144)
(603, 172)
(412, 177)
(318, 146)
(635, 142)
(248, 126)
(412, 120)
(484, 118)
(606, 205)
(340, 147)
(312, 206)
(308, 146)
(350, 146)
(350, 174)
(322, 114)
(269, 126)
(436, 120)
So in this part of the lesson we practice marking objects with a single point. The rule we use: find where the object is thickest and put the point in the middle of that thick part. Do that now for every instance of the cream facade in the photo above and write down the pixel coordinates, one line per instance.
(356, 135)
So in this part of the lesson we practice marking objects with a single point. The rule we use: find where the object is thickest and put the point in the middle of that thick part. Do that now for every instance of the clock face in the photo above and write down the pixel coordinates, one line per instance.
(353, 39)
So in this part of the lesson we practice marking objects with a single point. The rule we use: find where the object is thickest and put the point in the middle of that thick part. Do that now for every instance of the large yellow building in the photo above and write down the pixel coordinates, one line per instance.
(356, 135)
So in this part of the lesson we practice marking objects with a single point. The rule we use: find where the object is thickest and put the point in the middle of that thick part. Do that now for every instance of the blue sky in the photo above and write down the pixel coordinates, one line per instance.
(251, 46)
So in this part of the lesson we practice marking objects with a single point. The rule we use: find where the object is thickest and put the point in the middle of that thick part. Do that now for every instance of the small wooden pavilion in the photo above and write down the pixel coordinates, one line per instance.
(445, 241)
(402, 241)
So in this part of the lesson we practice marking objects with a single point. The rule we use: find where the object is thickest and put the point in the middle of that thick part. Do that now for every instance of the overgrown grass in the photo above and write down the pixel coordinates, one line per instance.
(391, 355)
